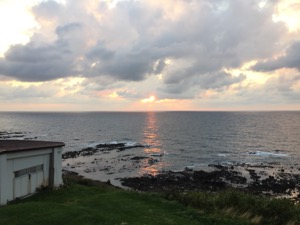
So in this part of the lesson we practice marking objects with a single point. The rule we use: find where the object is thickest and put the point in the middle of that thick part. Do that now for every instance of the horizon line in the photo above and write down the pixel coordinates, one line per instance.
(143, 111)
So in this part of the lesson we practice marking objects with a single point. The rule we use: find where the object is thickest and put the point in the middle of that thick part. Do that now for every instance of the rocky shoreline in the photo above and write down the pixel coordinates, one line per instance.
(99, 148)
(6, 135)
(280, 184)
(271, 180)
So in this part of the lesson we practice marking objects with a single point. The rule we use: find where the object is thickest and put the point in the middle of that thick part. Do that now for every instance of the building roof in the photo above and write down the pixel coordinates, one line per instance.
(25, 145)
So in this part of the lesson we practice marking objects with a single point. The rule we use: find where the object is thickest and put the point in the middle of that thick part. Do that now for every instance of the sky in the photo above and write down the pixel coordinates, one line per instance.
(144, 55)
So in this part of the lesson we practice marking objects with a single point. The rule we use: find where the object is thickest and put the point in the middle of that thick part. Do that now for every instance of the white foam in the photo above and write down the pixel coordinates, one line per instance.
(190, 167)
(94, 144)
(126, 143)
(157, 154)
(130, 144)
(267, 154)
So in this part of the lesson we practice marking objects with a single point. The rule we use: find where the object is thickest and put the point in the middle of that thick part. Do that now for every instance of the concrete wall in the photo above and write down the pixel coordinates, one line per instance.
(14, 185)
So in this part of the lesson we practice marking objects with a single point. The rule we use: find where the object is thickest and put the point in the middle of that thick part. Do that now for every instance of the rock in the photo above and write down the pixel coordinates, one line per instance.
(138, 158)
(151, 161)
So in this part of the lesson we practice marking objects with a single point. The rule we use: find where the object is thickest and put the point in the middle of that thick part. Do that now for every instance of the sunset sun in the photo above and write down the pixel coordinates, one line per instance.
(151, 99)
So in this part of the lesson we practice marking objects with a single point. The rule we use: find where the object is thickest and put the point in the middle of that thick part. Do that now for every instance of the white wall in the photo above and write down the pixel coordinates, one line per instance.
(3, 180)
(14, 161)
(57, 165)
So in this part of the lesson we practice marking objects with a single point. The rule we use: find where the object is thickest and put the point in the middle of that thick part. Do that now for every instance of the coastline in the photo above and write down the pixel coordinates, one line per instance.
(254, 180)
(114, 163)
(269, 180)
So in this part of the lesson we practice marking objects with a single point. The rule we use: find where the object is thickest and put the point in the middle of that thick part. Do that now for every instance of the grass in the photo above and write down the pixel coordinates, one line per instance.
(86, 202)
(236, 204)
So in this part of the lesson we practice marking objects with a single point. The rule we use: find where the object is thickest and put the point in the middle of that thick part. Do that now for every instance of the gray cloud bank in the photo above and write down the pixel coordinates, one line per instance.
(290, 60)
(136, 39)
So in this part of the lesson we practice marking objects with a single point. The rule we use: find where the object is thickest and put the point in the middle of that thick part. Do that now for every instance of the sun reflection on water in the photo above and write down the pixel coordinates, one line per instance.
(155, 162)
(150, 134)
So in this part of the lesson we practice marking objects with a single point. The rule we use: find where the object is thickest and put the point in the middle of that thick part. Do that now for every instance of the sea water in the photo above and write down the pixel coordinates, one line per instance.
(175, 140)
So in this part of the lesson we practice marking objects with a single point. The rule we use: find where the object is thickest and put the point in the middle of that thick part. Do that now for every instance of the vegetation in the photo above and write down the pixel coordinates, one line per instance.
(236, 204)
(83, 201)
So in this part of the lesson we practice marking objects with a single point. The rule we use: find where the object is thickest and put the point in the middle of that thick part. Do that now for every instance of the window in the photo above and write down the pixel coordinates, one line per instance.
(33, 169)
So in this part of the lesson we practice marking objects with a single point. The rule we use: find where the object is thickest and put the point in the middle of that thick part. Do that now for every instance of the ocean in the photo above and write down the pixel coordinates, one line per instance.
(161, 141)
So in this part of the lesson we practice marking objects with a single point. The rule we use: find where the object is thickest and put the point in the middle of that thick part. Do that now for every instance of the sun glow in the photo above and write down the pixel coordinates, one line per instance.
(151, 99)
(288, 12)
(17, 23)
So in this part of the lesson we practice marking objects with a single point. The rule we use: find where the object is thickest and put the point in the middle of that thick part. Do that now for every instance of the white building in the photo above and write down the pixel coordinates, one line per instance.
(27, 165)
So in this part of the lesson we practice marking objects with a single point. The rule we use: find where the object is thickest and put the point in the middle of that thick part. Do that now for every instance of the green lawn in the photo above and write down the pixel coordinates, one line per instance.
(85, 203)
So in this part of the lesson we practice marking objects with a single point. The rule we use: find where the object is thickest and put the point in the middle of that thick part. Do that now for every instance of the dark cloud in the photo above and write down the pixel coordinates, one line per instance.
(100, 53)
(67, 30)
(38, 63)
(290, 60)
(35, 53)
(219, 80)
(43, 61)
(190, 87)
(125, 67)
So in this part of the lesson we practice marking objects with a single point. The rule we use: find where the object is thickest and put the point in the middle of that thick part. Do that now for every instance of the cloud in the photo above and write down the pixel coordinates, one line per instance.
(37, 63)
(189, 88)
(285, 87)
(191, 46)
(43, 61)
(15, 92)
(100, 53)
(291, 59)
(132, 67)
(129, 94)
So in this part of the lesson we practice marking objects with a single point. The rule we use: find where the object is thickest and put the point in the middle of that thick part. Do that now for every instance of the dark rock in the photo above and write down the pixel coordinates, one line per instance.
(129, 147)
(104, 148)
(197, 180)
(151, 161)
(138, 158)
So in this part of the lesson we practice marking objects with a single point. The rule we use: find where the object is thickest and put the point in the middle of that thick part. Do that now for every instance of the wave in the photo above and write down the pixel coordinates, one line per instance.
(267, 154)
(117, 144)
